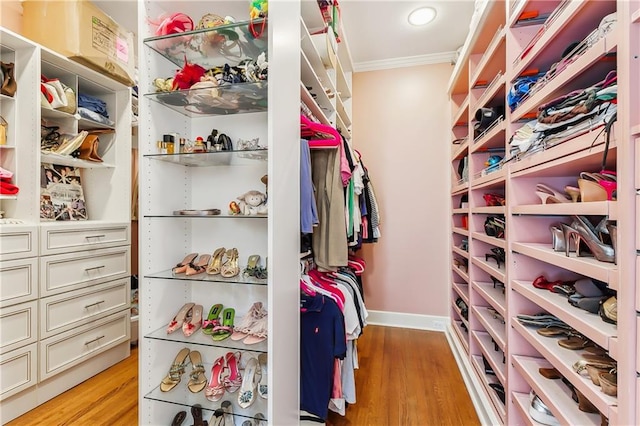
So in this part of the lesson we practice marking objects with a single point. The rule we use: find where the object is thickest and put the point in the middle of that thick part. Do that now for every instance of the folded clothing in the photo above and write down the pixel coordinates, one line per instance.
(94, 116)
(7, 188)
(92, 103)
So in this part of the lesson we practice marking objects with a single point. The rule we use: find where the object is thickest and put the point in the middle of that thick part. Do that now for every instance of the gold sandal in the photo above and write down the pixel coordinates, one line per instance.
(175, 372)
(216, 260)
(230, 267)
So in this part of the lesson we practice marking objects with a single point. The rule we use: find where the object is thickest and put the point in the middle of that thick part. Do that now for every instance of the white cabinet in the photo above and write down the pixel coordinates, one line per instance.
(64, 285)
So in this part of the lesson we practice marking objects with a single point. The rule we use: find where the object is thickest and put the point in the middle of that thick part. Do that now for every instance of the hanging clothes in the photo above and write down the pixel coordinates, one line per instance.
(308, 209)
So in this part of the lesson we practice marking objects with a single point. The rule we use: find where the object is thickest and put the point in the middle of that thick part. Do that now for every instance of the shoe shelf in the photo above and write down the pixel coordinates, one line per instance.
(588, 324)
(54, 114)
(523, 403)
(554, 393)
(491, 65)
(493, 357)
(635, 16)
(325, 77)
(463, 291)
(563, 359)
(459, 312)
(489, 180)
(311, 79)
(460, 150)
(461, 115)
(67, 160)
(182, 396)
(498, 406)
(305, 96)
(493, 137)
(498, 242)
(543, 7)
(342, 83)
(489, 268)
(216, 158)
(218, 216)
(596, 208)
(85, 124)
(239, 98)
(201, 339)
(494, 326)
(207, 47)
(461, 231)
(342, 114)
(587, 266)
(591, 67)
(463, 336)
(238, 279)
(490, 210)
(461, 211)
(7, 99)
(461, 273)
(493, 295)
(573, 23)
(460, 252)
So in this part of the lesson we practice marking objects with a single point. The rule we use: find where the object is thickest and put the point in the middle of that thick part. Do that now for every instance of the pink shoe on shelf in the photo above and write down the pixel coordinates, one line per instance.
(178, 320)
(193, 322)
(215, 388)
(241, 329)
(233, 380)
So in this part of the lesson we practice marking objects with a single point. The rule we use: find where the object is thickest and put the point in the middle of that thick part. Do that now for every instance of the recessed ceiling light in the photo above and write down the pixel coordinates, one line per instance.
(422, 16)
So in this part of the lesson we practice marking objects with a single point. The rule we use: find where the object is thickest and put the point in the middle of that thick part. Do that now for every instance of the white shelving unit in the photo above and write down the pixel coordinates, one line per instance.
(213, 180)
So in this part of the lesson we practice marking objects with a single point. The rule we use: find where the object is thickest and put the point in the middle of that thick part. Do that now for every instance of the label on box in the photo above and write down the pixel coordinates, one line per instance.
(122, 49)
(103, 38)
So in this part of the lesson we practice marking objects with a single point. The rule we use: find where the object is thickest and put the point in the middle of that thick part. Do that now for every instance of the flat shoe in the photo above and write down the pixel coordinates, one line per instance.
(179, 418)
(575, 342)
(550, 373)
(555, 331)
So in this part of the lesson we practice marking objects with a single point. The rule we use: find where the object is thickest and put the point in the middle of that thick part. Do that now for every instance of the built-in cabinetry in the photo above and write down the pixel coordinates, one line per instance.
(64, 300)
(509, 40)
(207, 180)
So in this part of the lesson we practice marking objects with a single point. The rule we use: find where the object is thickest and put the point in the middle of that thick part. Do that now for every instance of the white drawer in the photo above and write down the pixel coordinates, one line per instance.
(18, 326)
(18, 370)
(68, 310)
(63, 351)
(18, 241)
(66, 272)
(63, 239)
(18, 281)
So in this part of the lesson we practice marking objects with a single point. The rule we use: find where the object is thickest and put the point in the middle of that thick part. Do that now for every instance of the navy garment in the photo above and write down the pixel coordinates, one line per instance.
(322, 339)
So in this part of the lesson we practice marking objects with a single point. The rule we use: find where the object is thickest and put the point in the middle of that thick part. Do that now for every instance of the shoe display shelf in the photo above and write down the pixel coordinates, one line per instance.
(326, 70)
(195, 181)
(64, 300)
(536, 43)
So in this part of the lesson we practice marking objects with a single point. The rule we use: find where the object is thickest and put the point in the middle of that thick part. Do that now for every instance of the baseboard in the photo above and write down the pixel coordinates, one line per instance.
(416, 321)
(476, 391)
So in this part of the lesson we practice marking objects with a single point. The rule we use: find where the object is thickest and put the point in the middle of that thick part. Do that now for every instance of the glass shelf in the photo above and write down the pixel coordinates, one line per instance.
(215, 158)
(217, 216)
(180, 395)
(199, 338)
(230, 99)
(238, 279)
(211, 47)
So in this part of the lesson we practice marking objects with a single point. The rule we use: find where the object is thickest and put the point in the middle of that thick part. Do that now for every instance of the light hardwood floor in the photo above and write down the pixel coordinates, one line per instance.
(406, 377)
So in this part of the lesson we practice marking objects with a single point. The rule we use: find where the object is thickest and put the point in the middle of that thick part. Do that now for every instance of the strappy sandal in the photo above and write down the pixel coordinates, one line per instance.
(257, 332)
(193, 322)
(182, 266)
(575, 342)
(175, 372)
(216, 260)
(225, 330)
(199, 266)
(230, 267)
(213, 319)
(241, 330)
(215, 389)
(233, 381)
(262, 386)
(248, 389)
(180, 317)
(197, 379)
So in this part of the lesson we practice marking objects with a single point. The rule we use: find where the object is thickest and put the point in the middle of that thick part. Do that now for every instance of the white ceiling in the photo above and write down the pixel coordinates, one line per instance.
(377, 30)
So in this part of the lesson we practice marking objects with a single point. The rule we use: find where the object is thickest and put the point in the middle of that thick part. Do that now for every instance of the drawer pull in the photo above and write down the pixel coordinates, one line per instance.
(94, 236)
(93, 304)
(94, 268)
(94, 340)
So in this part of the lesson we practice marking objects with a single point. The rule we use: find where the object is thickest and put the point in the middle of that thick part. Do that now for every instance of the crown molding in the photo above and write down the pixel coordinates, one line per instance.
(406, 61)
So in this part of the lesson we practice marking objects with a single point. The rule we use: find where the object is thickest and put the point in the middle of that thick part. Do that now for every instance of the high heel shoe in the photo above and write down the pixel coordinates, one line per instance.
(596, 186)
(175, 372)
(613, 234)
(558, 241)
(193, 322)
(248, 388)
(609, 382)
(197, 379)
(180, 317)
(198, 266)
(230, 266)
(582, 230)
(573, 192)
(549, 195)
(215, 389)
(233, 381)
(216, 261)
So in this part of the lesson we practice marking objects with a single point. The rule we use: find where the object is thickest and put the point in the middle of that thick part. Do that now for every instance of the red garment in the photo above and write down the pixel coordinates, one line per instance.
(7, 188)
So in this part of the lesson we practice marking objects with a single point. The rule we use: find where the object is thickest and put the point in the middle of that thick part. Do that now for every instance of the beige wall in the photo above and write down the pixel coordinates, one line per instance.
(11, 15)
(401, 121)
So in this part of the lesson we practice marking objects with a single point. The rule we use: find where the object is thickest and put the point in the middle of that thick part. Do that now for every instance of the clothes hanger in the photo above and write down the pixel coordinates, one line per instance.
(319, 135)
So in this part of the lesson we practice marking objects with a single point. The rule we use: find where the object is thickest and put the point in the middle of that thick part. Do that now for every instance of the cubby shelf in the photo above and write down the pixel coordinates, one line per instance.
(523, 402)
(588, 324)
(460, 211)
(494, 326)
(308, 100)
(459, 312)
(494, 358)
(461, 149)
(460, 252)
(461, 231)
(596, 208)
(563, 359)
(554, 393)
(491, 179)
(462, 113)
(495, 296)
(463, 336)
(542, 7)
(489, 210)
(464, 275)
(463, 291)
(311, 80)
(489, 268)
(460, 188)
(67, 160)
(315, 61)
(589, 68)
(493, 60)
(587, 266)
(498, 406)
(492, 138)
(498, 242)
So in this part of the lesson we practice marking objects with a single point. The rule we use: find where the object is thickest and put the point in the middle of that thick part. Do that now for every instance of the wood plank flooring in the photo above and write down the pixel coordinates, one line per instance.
(406, 377)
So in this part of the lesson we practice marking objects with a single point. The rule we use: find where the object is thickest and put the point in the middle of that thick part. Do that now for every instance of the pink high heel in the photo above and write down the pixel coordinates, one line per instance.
(215, 388)
(549, 195)
(194, 322)
(234, 380)
(178, 320)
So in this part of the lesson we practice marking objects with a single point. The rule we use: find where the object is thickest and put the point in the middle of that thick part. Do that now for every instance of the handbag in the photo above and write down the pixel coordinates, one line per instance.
(9, 83)
(3, 130)
(58, 94)
(89, 148)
